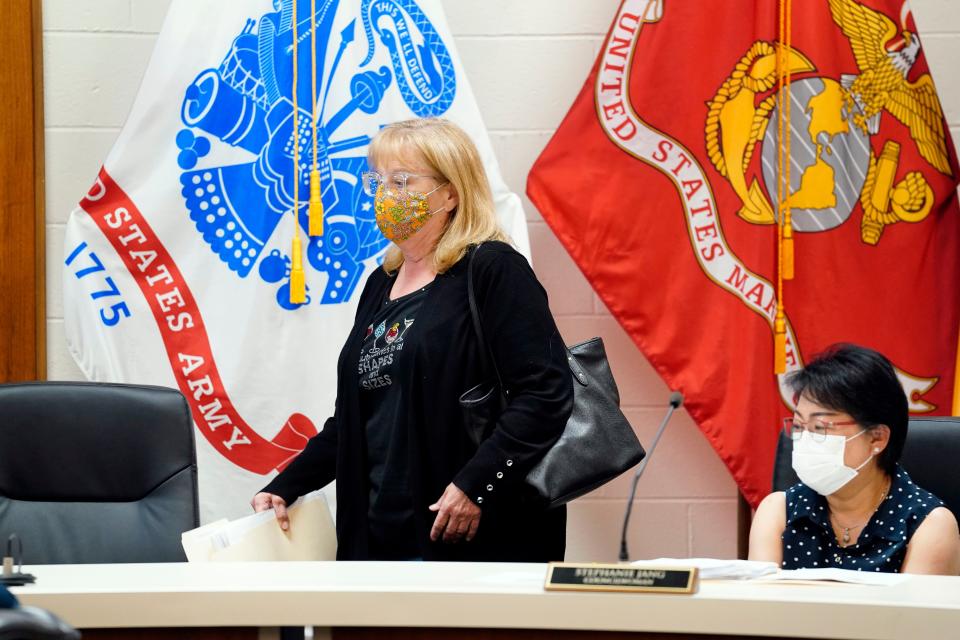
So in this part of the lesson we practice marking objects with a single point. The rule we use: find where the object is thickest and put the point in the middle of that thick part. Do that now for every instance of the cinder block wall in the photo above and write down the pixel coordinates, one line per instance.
(526, 61)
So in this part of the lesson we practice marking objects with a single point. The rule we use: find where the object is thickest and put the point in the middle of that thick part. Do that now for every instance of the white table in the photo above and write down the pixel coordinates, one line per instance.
(476, 596)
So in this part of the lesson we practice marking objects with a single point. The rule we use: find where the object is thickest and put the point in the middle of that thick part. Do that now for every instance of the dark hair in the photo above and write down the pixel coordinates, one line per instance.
(862, 383)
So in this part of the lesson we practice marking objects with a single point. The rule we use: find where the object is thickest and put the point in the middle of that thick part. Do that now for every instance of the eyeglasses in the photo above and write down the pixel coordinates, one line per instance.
(394, 181)
(818, 428)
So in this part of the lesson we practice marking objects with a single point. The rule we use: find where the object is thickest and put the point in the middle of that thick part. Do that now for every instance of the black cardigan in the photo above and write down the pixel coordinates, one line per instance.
(532, 360)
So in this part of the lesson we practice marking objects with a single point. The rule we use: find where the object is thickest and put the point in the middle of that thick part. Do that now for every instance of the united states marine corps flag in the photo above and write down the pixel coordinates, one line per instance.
(746, 183)
(223, 246)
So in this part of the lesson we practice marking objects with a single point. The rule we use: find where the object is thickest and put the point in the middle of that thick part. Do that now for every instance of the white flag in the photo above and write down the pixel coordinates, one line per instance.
(176, 264)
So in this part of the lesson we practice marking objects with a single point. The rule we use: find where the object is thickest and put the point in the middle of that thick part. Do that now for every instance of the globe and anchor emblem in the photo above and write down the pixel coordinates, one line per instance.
(830, 156)
(243, 108)
(832, 127)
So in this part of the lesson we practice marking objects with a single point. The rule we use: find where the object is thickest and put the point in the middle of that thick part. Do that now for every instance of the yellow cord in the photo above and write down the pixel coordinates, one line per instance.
(956, 382)
(783, 190)
(787, 221)
(298, 286)
(315, 210)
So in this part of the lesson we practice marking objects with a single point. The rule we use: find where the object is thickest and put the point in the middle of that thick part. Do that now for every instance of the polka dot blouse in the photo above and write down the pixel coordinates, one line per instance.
(809, 542)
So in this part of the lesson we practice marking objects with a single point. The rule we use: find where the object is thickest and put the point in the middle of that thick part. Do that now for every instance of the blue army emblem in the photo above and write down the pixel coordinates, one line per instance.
(246, 103)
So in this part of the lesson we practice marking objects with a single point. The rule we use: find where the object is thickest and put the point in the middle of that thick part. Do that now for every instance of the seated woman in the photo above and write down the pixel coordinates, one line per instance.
(855, 507)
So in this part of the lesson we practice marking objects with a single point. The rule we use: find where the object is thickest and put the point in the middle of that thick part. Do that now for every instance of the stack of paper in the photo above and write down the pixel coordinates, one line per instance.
(311, 535)
(716, 569)
(833, 574)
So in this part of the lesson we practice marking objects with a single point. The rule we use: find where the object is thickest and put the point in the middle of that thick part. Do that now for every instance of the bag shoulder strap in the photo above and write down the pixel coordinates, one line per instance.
(485, 351)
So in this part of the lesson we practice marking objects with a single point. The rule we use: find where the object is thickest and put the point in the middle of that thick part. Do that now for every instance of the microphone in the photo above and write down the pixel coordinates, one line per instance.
(14, 577)
(676, 400)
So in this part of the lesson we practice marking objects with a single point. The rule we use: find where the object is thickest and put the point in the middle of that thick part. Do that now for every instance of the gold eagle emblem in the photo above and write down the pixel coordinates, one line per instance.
(882, 82)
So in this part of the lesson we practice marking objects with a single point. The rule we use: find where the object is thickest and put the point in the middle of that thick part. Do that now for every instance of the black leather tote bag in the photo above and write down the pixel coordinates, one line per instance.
(597, 444)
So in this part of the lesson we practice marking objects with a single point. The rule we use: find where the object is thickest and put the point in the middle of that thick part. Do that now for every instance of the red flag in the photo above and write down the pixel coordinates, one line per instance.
(662, 184)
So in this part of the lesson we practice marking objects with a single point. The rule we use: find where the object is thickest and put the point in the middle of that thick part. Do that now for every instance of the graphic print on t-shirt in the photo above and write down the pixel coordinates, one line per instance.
(386, 355)
(384, 340)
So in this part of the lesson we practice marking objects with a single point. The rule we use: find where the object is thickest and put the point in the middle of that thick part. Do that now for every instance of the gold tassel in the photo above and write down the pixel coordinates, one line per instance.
(316, 205)
(786, 267)
(787, 249)
(298, 280)
(779, 345)
(298, 283)
(315, 210)
(784, 224)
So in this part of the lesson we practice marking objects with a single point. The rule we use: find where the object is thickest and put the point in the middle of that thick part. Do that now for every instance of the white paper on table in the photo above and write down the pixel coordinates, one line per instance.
(833, 574)
(258, 537)
(715, 568)
(198, 543)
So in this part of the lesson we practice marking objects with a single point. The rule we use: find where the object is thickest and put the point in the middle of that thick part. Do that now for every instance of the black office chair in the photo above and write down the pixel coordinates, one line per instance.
(31, 623)
(930, 456)
(96, 473)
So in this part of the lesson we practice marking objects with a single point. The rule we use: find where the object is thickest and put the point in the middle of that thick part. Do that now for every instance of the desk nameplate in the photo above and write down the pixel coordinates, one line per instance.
(572, 576)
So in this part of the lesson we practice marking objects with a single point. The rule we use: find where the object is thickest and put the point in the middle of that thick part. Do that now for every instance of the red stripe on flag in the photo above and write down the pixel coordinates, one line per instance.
(185, 337)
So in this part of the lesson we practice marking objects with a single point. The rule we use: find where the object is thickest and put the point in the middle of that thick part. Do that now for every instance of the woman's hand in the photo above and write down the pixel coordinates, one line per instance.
(457, 516)
(266, 501)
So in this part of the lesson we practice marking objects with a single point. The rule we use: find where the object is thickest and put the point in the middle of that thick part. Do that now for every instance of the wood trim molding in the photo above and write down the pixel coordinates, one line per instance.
(22, 219)
(39, 194)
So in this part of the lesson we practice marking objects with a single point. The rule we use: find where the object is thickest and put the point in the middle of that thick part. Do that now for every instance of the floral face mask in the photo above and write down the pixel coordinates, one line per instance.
(400, 214)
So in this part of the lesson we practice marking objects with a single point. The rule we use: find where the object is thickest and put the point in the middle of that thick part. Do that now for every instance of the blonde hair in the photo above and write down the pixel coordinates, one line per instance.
(450, 153)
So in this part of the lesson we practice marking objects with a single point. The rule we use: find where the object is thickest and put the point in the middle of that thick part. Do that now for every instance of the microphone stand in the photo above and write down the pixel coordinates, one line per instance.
(676, 399)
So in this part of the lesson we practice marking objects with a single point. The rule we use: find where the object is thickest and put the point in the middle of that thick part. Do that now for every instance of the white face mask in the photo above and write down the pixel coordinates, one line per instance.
(819, 465)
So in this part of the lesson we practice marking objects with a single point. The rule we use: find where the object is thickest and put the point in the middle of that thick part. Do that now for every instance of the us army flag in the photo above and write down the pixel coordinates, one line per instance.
(662, 184)
(176, 263)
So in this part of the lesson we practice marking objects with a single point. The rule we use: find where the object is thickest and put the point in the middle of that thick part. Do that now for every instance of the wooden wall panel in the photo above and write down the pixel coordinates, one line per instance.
(22, 280)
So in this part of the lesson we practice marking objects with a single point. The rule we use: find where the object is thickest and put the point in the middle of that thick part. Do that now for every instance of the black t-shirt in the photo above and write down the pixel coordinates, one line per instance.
(381, 369)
